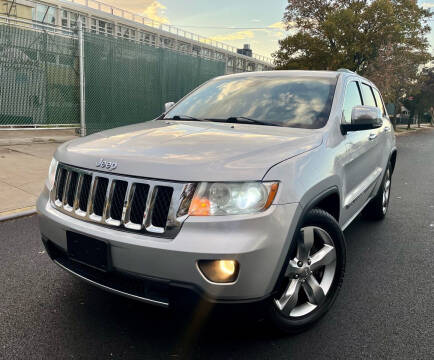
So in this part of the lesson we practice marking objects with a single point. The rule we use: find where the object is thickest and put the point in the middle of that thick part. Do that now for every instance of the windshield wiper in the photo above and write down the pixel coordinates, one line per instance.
(184, 117)
(246, 120)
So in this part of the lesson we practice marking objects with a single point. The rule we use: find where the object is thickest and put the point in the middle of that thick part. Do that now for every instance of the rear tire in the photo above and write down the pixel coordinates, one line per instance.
(378, 206)
(312, 276)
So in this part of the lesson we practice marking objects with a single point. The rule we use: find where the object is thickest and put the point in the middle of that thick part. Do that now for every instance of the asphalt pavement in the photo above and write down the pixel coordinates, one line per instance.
(385, 308)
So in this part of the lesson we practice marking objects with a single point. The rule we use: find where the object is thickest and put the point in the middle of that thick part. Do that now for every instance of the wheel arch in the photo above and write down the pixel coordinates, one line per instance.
(328, 201)
(392, 159)
(321, 198)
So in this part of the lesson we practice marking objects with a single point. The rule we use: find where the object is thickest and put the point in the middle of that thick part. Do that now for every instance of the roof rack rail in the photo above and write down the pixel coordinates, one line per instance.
(346, 70)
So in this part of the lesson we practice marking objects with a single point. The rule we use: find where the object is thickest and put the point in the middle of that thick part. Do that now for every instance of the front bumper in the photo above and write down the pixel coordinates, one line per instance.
(258, 242)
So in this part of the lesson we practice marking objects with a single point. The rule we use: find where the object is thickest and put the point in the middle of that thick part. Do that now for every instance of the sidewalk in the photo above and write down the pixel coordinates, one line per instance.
(24, 166)
(402, 129)
(35, 136)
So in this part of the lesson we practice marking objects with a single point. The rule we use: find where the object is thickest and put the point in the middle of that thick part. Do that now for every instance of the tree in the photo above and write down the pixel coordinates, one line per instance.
(424, 98)
(349, 33)
(382, 39)
(396, 72)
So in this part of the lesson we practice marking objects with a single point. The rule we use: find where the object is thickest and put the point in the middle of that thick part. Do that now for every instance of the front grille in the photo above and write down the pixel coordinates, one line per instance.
(153, 207)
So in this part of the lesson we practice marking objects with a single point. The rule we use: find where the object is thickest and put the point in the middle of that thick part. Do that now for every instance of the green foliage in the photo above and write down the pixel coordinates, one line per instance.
(422, 100)
(384, 40)
(330, 34)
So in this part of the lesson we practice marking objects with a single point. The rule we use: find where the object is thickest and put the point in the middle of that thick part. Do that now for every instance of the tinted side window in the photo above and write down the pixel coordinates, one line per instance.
(368, 96)
(352, 98)
(379, 101)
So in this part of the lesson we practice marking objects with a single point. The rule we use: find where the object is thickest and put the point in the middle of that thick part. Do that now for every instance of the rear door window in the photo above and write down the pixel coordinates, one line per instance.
(380, 104)
(368, 96)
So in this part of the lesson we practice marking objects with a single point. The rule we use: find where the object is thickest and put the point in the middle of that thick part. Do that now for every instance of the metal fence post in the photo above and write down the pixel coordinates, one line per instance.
(82, 79)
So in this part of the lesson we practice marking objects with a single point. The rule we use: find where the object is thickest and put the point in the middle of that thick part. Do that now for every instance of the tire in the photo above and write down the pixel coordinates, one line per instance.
(304, 271)
(377, 208)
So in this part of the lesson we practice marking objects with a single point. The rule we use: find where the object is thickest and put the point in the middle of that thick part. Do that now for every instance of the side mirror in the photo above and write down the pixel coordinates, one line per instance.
(363, 117)
(168, 105)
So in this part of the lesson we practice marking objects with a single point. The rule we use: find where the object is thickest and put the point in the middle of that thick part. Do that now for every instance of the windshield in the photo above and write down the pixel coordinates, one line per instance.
(285, 100)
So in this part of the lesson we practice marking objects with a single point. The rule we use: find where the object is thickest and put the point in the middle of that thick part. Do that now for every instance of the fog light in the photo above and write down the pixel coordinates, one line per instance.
(219, 271)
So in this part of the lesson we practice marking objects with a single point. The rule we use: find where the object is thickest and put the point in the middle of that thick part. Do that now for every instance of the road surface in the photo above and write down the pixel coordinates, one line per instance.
(385, 308)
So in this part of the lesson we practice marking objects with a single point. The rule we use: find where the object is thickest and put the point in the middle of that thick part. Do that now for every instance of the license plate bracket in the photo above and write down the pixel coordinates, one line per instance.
(88, 251)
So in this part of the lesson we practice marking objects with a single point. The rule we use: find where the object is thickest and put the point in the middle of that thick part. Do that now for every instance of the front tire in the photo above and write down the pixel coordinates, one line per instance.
(313, 275)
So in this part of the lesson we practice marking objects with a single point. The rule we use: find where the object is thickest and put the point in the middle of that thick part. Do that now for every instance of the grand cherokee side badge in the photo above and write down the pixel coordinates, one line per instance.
(104, 164)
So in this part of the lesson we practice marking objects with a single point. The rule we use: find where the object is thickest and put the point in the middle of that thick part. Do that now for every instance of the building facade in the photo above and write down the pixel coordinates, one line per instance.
(105, 19)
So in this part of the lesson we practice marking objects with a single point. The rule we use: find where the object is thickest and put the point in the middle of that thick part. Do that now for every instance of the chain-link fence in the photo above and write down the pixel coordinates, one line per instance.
(126, 82)
(39, 83)
(129, 82)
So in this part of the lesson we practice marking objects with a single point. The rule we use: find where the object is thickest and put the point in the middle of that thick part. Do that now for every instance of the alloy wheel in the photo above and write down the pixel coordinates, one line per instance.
(310, 273)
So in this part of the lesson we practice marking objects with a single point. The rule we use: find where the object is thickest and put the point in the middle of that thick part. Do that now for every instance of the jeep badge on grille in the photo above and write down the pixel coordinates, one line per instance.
(104, 164)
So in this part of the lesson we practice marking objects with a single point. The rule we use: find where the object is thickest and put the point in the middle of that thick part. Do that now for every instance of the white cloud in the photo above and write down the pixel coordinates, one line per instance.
(428, 5)
(278, 25)
(156, 11)
(238, 35)
(279, 34)
(151, 9)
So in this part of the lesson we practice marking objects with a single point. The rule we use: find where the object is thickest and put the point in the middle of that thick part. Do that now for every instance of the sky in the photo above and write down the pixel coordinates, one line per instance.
(234, 22)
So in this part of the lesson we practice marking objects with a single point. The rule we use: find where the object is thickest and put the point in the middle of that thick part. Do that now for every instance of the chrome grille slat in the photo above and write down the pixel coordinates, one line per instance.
(177, 198)
(108, 199)
(66, 190)
(55, 189)
(93, 186)
(84, 195)
(149, 204)
(78, 192)
(126, 211)
(118, 200)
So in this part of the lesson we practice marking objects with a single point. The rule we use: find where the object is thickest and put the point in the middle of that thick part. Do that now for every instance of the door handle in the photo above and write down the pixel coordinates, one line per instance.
(386, 129)
(372, 136)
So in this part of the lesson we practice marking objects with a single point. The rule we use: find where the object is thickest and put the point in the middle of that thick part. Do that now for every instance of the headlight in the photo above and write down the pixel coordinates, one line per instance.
(232, 198)
(52, 174)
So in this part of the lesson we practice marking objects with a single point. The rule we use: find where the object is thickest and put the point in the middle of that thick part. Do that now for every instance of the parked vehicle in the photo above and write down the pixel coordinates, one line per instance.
(240, 192)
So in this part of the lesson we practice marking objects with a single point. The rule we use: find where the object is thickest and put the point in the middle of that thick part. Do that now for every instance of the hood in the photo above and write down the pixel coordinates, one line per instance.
(190, 151)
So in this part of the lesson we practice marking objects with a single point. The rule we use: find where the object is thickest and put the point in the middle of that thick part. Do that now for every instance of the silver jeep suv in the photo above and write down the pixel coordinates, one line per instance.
(237, 193)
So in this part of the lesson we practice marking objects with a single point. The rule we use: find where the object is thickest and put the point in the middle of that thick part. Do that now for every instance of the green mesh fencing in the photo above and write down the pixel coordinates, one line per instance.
(129, 82)
(39, 82)
(126, 82)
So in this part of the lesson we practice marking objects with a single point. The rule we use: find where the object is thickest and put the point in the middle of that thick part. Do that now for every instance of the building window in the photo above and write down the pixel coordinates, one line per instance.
(109, 28)
(102, 26)
(64, 19)
(73, 18)
(45, 14)
(93, 25)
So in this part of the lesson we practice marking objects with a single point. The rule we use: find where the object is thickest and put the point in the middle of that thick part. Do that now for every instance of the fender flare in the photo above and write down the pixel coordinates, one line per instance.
(392, 158)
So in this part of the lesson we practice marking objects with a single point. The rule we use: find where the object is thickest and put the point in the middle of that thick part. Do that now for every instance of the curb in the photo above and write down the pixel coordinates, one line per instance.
(18, 213)
(414, 130)
(35, 140)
